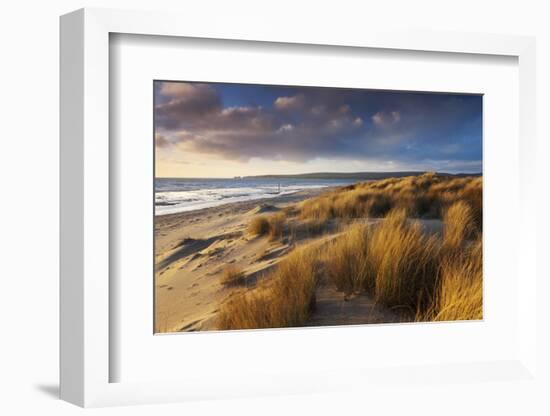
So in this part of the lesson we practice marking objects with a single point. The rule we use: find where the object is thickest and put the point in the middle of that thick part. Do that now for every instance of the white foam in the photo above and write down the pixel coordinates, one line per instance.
(183, 201)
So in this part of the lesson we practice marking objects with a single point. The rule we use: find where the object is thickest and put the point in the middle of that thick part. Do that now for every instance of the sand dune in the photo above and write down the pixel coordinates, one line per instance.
(207, 258)
(188, 272)
(189, 267)
(192, 250)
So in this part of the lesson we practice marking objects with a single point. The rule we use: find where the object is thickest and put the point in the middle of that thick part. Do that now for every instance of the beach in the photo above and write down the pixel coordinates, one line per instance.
(193, 249)
(214, 264)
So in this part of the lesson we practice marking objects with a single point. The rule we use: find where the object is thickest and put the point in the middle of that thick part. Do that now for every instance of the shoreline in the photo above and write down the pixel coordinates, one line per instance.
(248, 204)
(193, 248)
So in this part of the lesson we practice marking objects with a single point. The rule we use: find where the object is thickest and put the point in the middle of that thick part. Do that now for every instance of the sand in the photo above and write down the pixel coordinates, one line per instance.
(192, 249)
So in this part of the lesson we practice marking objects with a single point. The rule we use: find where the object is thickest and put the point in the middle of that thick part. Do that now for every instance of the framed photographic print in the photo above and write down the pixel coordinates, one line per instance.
(287, 213)
(262, 219)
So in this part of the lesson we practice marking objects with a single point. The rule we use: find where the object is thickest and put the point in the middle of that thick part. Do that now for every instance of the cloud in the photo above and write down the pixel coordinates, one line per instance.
(183, 101)
(160, 141)
(192, 117)
(180, 90)
(293, 103)
(386, 119)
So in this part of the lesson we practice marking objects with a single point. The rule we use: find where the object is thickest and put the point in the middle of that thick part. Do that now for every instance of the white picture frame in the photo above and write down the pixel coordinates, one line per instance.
(86, 356)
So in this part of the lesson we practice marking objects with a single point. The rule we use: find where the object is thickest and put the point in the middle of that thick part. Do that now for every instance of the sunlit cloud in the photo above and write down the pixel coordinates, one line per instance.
(290, 103)
(301, 125)
(386, 119)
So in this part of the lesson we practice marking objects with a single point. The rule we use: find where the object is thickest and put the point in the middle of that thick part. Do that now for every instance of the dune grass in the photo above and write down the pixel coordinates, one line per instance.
(394, 260)
(276, 226)
(284, 298)
(232, 276)
(423, 196)
(459, 294)
(259, 225)
(346, 259)
(403, 262)
(422, 277)
(270, 225)
(458, 221)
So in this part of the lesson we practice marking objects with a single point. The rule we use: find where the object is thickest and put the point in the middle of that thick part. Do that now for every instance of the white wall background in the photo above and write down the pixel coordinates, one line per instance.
(29, 57)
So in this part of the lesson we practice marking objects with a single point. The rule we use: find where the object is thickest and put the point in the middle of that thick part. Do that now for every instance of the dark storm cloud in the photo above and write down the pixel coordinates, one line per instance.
(186, 102)
(312, 123)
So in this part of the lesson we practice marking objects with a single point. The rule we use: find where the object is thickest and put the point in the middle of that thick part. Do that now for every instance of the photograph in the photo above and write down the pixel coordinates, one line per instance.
(279, 206)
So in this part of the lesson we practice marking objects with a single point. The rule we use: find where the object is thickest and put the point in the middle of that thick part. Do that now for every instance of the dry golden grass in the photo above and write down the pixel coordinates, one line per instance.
(319, 209)
(423, 196)
(272, 225)
(473, 195)
(404, 268)
(404, 262)
(459, 295)
(346, 259)
(290, 210)
(377, 204)
(276, 226)
(458, 224)
(232, 276)
(259, 225)
(285, 298)
(422, 276)
(394, 260)
(308, 228)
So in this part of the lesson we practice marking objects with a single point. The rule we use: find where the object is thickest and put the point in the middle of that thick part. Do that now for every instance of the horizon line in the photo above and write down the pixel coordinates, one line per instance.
(320, 173)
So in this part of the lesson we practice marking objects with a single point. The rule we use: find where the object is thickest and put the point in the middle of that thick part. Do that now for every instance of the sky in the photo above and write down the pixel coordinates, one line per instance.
(226, 130)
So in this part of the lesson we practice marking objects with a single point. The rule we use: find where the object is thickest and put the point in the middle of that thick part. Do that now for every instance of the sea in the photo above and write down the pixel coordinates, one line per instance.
(173, 195)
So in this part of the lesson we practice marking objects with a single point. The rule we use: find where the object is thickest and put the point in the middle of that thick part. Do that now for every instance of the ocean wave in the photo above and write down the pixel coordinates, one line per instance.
(182, 195)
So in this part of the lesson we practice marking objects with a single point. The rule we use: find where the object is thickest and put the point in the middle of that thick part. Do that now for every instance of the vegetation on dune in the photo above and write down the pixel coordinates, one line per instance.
(459, 224)
(424, 196)
(276, 226)
(272, 225)
(393, 260)
(424, 277)
(232, 276)
(347, 261)
(284, 298)
(259, 225)
(403, 262)
(459, 294)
